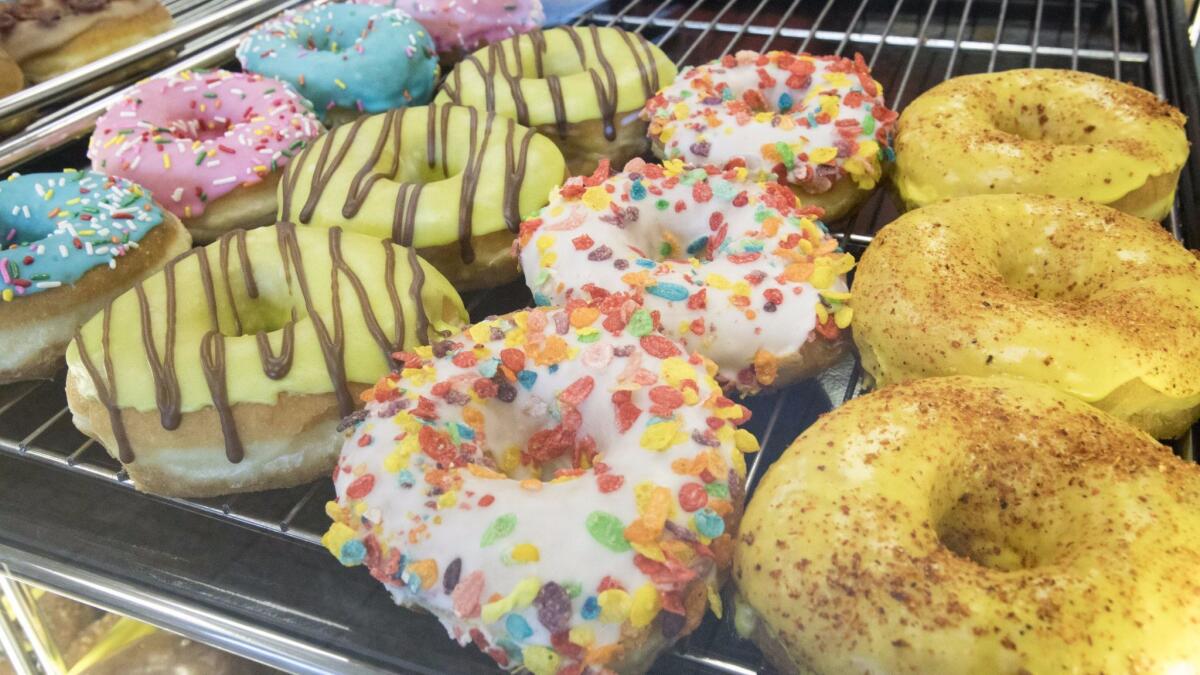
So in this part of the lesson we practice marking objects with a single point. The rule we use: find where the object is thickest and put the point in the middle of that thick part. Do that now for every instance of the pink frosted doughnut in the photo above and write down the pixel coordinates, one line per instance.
(195, 138)
(466, 25)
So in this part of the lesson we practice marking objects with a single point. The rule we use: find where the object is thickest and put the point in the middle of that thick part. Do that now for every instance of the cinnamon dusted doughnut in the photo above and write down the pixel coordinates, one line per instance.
(210, 145)
(1043, 131)
(1095, 302)
(817, 124)
(582, 87)
(72, 241)
(559, 486)
(969, 525)
(50, 37)
(454, 182)
(739, 271)
(230, 370)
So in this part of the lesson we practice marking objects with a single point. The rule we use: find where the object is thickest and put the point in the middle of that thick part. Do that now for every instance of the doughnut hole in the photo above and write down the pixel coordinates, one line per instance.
(257, 301)
(557, 67)
(1044, 260)
(420, 169)
(1008, 515)
(532, 443)
(198, 130)
(971, 528)
(1052, 114)
(1033, 120)
(26, 231)
(1036, 272)
(262, 314)
(319, 41)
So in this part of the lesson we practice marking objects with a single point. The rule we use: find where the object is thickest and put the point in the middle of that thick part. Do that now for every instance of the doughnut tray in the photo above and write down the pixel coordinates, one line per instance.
(247, 573)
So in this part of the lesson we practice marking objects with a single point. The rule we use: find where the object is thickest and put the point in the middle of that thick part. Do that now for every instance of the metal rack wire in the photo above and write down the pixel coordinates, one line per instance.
(910, 44)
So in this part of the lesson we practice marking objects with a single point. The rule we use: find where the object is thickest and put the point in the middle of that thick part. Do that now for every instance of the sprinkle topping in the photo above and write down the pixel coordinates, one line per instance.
(739, 271)
(800, 119)
(55, 227)
(198, 135)
(501, 458)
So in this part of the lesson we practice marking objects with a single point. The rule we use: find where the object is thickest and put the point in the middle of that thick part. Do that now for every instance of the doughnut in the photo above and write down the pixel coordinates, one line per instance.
(50, 37)
(210, 145)
(817, 124)
(582, 87)
(348, 59)
(1043, 131)
(738, 271)
(230, 370)
(462, 26)
(72, 241)
(12, 80)
(558, 486)
(972, 525)
(454, 182)
(1092, 301)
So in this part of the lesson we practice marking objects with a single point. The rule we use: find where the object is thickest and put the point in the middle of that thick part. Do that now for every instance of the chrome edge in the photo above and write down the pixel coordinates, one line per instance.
(186, 618)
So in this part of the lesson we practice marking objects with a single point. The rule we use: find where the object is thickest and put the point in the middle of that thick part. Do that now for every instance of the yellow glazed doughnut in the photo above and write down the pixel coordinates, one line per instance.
(582, 87)
(453, 182)
(970, 525)
(230, 370)
(1042, 131)
(1090, 300)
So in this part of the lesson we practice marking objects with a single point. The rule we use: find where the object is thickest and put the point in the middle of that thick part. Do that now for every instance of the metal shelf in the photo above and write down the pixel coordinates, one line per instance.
(911, 45)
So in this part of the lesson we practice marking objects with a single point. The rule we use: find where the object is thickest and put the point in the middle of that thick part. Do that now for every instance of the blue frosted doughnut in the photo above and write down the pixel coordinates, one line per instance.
(56, 227)
(358, 58)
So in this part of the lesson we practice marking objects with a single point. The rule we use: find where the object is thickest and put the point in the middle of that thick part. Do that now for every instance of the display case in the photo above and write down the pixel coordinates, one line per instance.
(248, 573)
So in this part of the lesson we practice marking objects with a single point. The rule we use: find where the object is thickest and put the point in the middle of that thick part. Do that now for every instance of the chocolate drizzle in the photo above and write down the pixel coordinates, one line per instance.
(331, 336)
(212, 360)
(166, 384)
(336, 147)
(605, 85)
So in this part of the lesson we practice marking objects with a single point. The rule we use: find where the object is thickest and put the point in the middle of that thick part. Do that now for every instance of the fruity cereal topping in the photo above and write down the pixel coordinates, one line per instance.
(739, 271)
(800, 119)
(558, 486)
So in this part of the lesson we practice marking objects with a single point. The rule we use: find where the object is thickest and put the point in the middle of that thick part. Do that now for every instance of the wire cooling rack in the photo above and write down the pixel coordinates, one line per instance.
(910, 45)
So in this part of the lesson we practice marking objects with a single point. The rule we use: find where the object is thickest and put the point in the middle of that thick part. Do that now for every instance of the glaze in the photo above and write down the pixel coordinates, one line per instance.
(281, 307)
(401, 175)
(59, 226)
(557, 485)
(197, 136)
(739, 271)
(560, 76)
(800, 119)
(360, 57)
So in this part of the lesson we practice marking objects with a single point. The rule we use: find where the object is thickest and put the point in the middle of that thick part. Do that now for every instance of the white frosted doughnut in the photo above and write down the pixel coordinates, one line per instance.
(815, 123)
(739, 271)
(558, 486)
